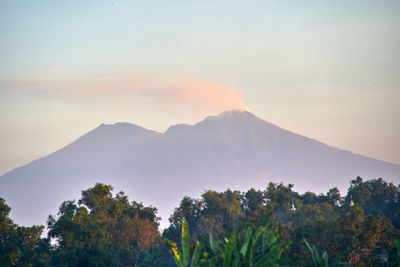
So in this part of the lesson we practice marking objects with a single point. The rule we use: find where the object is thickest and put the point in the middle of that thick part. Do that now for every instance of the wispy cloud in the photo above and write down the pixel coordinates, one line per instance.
(202, 95)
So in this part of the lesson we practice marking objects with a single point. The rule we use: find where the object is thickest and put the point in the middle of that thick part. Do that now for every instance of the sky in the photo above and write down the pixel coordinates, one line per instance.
(329, 70)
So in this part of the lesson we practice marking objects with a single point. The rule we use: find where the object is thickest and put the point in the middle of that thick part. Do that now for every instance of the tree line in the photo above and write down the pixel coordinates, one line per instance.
(271, 227)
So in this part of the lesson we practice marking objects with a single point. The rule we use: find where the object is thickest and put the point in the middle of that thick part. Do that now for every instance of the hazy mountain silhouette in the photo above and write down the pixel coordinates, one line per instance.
(234, 150)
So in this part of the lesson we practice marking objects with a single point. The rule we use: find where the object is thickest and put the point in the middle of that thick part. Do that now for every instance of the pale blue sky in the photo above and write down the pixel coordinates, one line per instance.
(329, 70)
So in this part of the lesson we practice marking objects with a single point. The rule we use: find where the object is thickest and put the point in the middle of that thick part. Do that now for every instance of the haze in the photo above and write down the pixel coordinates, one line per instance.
(327, 70)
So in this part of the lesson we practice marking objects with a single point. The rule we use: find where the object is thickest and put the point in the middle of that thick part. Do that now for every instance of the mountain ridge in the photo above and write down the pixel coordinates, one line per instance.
(234, 149)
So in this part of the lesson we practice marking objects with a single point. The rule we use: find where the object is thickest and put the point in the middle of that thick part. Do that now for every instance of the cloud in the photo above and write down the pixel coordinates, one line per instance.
(206, 96)
(201, 95)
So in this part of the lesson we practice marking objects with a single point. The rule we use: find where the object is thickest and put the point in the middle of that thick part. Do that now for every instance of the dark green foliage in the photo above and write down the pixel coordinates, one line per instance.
(182, 257)
(156, 256)
(21, 246)
(249, 248)
(102, 230)
(398, 249)
(370, 227)
(105, 230)
(259, 248)
(323, 260)
(377, 197)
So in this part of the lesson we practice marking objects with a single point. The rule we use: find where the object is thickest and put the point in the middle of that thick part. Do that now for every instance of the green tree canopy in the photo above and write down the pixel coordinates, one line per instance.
(102, 230)
(22, 246)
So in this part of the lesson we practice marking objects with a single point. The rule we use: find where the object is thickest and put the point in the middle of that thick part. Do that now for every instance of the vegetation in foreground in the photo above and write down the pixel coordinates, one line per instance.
(258, 248)
(231, 228)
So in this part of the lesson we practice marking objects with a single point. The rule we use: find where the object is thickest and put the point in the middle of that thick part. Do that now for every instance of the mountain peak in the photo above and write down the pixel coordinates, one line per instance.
(106, 134)
(121, 126)
(232, 115)
(236, 119)
(236, 113)
(177, 128)
(118, 125)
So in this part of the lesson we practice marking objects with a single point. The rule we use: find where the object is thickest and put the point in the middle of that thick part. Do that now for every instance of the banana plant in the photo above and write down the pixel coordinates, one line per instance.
(182, 258)
(238, 251)
(247, 251)
(322, 260)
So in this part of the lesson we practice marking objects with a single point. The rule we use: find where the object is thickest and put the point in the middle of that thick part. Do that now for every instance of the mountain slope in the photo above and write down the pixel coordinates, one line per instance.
(235, 149)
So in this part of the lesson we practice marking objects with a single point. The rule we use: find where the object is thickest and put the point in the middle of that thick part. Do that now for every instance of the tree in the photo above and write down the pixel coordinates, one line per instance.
(22, 246)
(334, 196)
(376, 197)
(215, 212)
(102, 230)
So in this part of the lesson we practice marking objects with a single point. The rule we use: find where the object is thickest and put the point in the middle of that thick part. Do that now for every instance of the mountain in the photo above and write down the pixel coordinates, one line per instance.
(234, 150)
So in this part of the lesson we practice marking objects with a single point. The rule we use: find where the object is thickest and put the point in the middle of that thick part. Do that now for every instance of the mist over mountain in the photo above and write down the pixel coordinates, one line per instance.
(234, 150)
